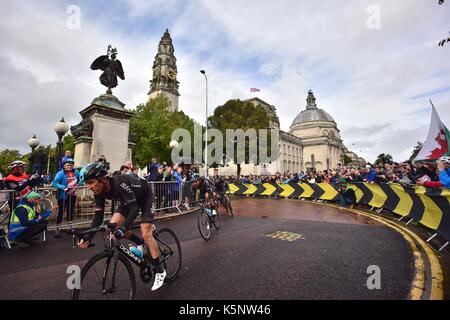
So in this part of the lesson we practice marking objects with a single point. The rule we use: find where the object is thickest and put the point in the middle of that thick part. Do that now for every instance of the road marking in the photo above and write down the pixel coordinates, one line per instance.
(285, 236)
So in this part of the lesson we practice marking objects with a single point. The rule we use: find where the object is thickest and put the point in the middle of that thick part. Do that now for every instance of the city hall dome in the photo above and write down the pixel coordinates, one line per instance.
(311, 113)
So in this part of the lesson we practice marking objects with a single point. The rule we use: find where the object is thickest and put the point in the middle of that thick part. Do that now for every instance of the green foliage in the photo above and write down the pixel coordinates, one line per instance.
(69, 143)
(383, 159)
(6, 157)
(152, 126)
(347, 159)
(237, 114)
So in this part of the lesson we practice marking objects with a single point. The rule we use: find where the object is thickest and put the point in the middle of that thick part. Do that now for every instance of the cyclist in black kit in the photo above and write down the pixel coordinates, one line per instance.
(219, 183)
(133, 193)
(221, 188)
(206, 187)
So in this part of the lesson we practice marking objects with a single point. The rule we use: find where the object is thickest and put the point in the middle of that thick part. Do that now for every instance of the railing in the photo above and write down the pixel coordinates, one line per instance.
(166, 196)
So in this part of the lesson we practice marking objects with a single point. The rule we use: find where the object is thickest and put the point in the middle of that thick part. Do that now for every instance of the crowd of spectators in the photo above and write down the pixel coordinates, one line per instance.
(431, 175)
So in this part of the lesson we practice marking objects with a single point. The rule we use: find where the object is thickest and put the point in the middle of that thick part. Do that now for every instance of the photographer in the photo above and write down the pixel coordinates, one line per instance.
(348, 196)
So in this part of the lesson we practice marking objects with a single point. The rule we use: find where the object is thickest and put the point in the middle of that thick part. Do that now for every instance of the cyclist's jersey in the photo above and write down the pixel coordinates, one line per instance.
(206, 185)
(132, 192)
(220, 184)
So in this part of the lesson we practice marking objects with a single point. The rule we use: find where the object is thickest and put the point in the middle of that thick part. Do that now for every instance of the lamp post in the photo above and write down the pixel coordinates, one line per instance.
(61, 128)
(33, 143)
(206, 127)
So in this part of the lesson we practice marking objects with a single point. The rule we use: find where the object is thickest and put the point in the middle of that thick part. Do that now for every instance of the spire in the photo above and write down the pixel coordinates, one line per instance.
(311, 101)
(164, 73)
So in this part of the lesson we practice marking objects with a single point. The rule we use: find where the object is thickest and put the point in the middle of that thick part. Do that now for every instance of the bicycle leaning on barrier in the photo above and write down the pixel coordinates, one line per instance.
(109, 274)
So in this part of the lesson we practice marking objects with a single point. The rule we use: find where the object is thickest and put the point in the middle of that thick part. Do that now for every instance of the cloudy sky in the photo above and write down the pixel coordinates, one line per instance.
(373, 65)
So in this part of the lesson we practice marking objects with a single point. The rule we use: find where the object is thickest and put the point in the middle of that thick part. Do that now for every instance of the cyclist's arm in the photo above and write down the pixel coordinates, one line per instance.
(99, 215)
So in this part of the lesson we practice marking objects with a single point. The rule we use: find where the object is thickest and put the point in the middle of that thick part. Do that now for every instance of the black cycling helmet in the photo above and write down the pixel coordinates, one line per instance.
(94, 170)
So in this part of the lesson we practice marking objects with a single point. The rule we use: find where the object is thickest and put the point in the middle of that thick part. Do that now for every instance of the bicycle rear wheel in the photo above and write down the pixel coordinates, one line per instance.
(105, 277)
(170, 249)
(228, 205)
(203, 224)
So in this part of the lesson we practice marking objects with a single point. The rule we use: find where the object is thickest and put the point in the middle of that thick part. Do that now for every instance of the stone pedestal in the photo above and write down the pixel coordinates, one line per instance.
(83, 146)
(110, 133)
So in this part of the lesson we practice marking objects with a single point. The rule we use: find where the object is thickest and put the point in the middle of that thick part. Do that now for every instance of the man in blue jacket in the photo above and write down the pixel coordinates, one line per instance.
(370, 174)
(444, 171)
(66, 182)
(26, 223)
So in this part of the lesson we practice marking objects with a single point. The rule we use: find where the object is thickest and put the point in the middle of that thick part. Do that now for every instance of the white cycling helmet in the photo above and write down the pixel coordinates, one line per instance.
(16, 163)
(445, 159)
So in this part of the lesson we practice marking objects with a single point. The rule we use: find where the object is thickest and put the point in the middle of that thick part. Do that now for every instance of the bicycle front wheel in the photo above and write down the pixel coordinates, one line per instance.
(203, 224)
(170, 249)
(215, 220)
(106, 277)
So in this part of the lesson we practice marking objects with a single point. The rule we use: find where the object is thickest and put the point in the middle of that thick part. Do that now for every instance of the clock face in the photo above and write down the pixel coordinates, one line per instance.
(172, 74)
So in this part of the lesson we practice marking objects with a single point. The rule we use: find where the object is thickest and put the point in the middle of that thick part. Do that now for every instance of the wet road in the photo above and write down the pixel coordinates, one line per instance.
(250, 257)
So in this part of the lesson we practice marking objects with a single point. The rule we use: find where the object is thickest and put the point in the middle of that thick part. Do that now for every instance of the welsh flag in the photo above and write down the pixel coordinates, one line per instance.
(437, 141)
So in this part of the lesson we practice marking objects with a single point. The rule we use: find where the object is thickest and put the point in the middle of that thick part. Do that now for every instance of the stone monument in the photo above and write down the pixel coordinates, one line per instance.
(104, 129)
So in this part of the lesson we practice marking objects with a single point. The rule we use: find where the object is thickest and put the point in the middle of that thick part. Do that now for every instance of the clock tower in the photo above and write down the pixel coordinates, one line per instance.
(164, 76)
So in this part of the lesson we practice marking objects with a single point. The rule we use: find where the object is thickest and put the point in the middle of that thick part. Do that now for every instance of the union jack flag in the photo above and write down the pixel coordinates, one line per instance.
(254, 90)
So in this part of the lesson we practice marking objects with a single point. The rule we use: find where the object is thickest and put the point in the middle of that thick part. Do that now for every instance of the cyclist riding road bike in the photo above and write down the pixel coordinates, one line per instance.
(133, 193)
(207, 189)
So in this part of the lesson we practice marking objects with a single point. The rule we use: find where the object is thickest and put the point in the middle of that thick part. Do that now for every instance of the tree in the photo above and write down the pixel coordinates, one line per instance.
(383, 159)
(152, 126)
(6, 157)
(69, 143)
(347, 159)
(237, 114)
(416, 150)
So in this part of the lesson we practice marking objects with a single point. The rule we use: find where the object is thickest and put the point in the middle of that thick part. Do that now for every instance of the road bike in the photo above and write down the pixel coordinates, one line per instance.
(226, 203)
(207, 218)
(109, 274)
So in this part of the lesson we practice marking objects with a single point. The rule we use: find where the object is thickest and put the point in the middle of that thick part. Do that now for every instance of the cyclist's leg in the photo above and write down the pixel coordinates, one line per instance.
(147, 234)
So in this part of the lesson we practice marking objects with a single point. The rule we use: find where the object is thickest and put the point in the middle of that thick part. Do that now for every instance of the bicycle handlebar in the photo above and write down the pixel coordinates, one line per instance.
(105, 226)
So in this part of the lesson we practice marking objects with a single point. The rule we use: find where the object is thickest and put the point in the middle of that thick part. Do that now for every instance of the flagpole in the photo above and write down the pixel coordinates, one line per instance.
(432, 104)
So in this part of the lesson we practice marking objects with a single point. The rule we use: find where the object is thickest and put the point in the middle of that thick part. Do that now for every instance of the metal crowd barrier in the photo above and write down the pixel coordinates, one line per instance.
(166, 195)
(171, 195)
(7, 201)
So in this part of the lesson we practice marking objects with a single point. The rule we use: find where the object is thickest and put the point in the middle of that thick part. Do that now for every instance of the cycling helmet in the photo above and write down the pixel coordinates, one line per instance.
(195, 176)
(94, 170)
(16, 163)
(445, 159)
(68, 160)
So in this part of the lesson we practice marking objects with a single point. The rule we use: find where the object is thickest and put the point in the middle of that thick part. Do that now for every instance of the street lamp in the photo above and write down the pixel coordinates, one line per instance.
(61, 128)
(206, 127)
(33, 143)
